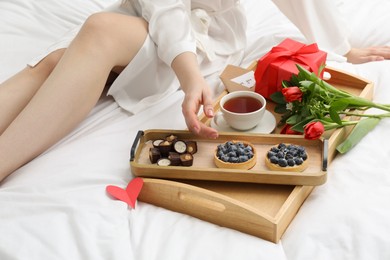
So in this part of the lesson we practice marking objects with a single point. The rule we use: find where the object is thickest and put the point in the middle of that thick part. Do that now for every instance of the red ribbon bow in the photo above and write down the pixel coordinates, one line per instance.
(296, 55)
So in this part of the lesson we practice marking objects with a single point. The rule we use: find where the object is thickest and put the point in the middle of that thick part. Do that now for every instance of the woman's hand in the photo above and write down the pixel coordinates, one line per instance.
(363, 55)
(194, 98)
(197, 93)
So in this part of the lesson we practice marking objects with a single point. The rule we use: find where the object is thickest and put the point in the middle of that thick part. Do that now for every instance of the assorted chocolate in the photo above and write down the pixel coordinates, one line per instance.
(172, 151)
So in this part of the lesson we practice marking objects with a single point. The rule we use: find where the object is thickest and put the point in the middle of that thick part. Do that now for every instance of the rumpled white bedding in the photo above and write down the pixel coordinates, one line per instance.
(56, 207)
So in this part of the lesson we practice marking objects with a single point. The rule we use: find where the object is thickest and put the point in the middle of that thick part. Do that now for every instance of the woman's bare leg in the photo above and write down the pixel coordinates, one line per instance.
(17, 91)
(106, 41)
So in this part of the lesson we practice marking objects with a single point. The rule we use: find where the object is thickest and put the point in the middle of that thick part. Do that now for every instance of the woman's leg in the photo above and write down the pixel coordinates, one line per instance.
(105, 41)
(18, 90)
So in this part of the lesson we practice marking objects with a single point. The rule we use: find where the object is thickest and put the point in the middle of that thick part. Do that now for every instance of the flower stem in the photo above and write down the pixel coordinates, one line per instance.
(367, 115)
(380, 106)
(330, 126)
(323, 84)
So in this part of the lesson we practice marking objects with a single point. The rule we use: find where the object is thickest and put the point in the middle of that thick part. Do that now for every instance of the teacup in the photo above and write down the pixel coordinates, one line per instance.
(242, 110)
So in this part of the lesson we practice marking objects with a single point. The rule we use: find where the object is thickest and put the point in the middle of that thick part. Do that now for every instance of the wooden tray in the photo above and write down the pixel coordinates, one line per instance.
(204, 168)
(261, 210)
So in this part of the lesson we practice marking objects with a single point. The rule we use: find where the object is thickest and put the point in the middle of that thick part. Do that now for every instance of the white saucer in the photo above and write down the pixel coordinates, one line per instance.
(266, 125)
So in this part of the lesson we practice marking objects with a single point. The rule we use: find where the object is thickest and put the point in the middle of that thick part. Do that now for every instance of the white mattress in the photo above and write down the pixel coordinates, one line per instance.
(56, 207)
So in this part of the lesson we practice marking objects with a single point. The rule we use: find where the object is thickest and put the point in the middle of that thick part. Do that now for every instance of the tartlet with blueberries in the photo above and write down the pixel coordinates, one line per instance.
(287, 157)
(235, 155)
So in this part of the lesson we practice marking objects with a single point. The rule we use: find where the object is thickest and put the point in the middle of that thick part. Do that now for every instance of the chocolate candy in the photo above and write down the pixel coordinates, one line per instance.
(186, 159)
(171, 138)
(164, 162)
(174, 158)
(192, 147)
(180, 146)
(157, 142)
(154, 154)
(165, 147)
(171, 151)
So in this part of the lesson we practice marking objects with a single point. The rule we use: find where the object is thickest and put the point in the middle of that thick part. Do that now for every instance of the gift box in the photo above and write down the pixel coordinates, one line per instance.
(280, 64)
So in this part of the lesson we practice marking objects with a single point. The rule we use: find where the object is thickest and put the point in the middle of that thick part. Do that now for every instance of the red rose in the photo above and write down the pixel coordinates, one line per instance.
(314, 130)
(292, 94)
(288, 131)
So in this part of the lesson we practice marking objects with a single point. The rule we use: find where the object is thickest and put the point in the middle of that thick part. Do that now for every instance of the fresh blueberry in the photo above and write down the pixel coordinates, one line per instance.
(282, 162)
(233, 159)
(232, 154)
(243, 158)
(274, 160)
(291, 162)
(270, 154)
(240, 151)
(298, 161)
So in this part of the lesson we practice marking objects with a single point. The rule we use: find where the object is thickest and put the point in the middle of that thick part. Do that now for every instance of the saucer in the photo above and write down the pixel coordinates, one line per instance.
(266, 125)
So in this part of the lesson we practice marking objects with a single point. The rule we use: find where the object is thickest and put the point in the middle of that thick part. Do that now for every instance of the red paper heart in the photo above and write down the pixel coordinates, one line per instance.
(128, 195)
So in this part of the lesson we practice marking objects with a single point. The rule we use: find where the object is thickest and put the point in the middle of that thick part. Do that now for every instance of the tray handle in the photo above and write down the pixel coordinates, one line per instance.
(325, 155)
(135, 143)
(209, 206)
(198, 201)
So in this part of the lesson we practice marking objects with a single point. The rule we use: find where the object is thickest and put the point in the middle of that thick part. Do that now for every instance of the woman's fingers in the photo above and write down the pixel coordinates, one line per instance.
(363, 55)
(190, 108)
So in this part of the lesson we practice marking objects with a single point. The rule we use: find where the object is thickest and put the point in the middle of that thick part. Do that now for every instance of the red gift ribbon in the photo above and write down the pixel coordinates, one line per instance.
(297, 55)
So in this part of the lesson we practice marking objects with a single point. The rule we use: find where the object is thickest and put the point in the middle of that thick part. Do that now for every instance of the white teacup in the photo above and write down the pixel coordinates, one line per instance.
(242, 110)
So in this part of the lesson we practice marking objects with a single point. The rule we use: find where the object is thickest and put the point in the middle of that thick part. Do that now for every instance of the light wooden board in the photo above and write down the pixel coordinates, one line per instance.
(204, 168)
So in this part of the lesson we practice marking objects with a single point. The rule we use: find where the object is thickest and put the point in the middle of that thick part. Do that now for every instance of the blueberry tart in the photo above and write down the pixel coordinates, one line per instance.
(235, 155)
(287, 157)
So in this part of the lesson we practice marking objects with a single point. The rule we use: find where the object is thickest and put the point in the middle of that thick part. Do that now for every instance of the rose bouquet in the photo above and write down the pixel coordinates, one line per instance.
(311, 106)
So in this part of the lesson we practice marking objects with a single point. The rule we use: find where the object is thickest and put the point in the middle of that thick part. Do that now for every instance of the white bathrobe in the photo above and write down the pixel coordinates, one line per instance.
(214, 29)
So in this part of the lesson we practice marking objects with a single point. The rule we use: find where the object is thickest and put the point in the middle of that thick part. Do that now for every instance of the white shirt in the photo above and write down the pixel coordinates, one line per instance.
(218, 26)
(212, 26)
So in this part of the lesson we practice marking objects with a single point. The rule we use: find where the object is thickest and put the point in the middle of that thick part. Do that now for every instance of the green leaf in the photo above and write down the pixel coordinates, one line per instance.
(326, 120)
(321, 68)
(299, 126)
(359, 131)
(294, 81)
(306, 84)
(314, 77)
(339, 105)
(286, 84)
(303, 72)
(280, 108)
(278, 98)
(305, 111)
(334, 115)
(284, 118)
(336, 91)
(356, 101)
(292, 120)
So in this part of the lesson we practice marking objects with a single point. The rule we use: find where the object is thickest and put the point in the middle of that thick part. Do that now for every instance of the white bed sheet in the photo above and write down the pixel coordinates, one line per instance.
(56, 207)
